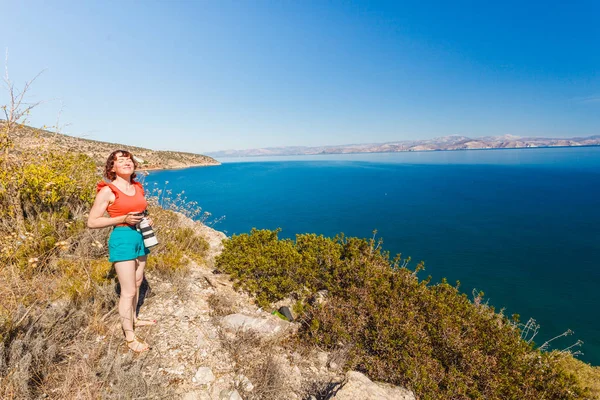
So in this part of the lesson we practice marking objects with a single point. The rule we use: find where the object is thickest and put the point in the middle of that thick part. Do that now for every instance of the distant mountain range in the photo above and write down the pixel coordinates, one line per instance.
(441, 143)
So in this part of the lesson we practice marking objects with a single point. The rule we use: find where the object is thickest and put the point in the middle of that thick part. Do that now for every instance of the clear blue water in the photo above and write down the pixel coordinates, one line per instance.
(521, 225)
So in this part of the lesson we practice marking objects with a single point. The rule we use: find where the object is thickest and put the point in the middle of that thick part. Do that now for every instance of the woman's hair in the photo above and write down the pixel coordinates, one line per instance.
(110, 163)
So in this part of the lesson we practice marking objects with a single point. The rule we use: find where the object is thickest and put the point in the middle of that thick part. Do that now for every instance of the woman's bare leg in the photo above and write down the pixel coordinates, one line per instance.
(126, 274)
(139, 278)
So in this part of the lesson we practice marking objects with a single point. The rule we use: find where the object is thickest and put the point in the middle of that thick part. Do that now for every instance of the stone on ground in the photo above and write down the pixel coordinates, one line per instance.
(204, 376)
(358, 387)
(262, 326)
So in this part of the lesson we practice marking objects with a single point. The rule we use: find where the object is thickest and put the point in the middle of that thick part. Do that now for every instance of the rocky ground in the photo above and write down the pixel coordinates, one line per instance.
(212, 342)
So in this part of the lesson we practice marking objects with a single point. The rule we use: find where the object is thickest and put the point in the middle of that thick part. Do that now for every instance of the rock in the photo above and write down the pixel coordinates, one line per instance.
(201, 340)
(204, 376)
(179, 312)
(286, 312)
(262, 326)
(357, 386)
(230, 395)
(218, 281)
(322, 357)
(212, 333)
(288, 375)
(177, 370)
(195, 396)
(295, 378)
(243, 382)
(222, 385)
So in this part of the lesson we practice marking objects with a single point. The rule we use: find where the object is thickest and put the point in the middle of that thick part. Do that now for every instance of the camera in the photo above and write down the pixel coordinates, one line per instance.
(144, 227)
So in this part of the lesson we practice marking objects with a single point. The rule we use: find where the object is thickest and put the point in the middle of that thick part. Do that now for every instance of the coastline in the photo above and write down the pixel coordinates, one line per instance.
(402, 151)
(179, 167)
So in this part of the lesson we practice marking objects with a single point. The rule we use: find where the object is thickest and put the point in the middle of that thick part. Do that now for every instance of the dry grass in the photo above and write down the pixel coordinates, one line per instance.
(256, 359)
(57, 289)
(39, 346)
(322, 390)
(220, 305)
(269, 365)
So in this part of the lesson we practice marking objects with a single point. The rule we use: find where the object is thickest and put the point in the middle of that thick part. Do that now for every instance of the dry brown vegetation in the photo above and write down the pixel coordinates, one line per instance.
(31, 139)
(254, 359)
(57, 290)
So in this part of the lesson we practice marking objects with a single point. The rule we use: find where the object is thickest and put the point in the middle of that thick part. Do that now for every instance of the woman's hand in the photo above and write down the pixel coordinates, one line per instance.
(150, 221)
(133, 218)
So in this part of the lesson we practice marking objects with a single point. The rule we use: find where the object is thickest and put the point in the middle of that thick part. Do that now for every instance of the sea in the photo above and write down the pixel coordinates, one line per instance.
(521, 225)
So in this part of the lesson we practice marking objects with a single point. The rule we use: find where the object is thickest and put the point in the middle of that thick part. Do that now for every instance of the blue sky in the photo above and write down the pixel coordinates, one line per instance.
(205, 76)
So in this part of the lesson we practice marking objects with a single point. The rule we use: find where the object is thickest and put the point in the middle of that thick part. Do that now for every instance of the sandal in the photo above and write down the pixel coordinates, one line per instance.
(141, 341)
(137, 349)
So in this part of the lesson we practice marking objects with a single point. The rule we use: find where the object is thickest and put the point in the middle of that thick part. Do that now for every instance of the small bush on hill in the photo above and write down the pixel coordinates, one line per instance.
(397, 328)
(262, 264)
(586, 375)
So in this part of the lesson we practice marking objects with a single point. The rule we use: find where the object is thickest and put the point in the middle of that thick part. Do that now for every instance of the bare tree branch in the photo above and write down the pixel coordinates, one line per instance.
(17, 109)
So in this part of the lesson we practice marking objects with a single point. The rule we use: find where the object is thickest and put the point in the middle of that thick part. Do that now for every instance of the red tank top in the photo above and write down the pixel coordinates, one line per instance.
(123, 203)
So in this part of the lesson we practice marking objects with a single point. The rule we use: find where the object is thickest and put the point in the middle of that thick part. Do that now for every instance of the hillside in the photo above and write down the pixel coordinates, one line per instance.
(60, 328)
(364, 326)
(28, 138)
(441, 143)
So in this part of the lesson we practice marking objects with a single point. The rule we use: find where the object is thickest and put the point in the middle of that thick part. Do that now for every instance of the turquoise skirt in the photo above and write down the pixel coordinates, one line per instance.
(126, 243)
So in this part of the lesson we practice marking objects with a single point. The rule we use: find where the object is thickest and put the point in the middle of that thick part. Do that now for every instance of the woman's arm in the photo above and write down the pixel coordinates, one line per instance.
(97, 219)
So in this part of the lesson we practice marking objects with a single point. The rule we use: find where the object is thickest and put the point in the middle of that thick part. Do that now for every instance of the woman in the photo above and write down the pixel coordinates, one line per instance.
(124, 200)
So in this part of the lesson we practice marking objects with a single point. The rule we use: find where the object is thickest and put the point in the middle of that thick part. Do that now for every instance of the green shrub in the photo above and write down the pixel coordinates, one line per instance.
(170, 260)
(47, 182)
(398, 329)
(192, 245)
(53, 181)
(262, 264)
(321, 259)
(586, 375)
